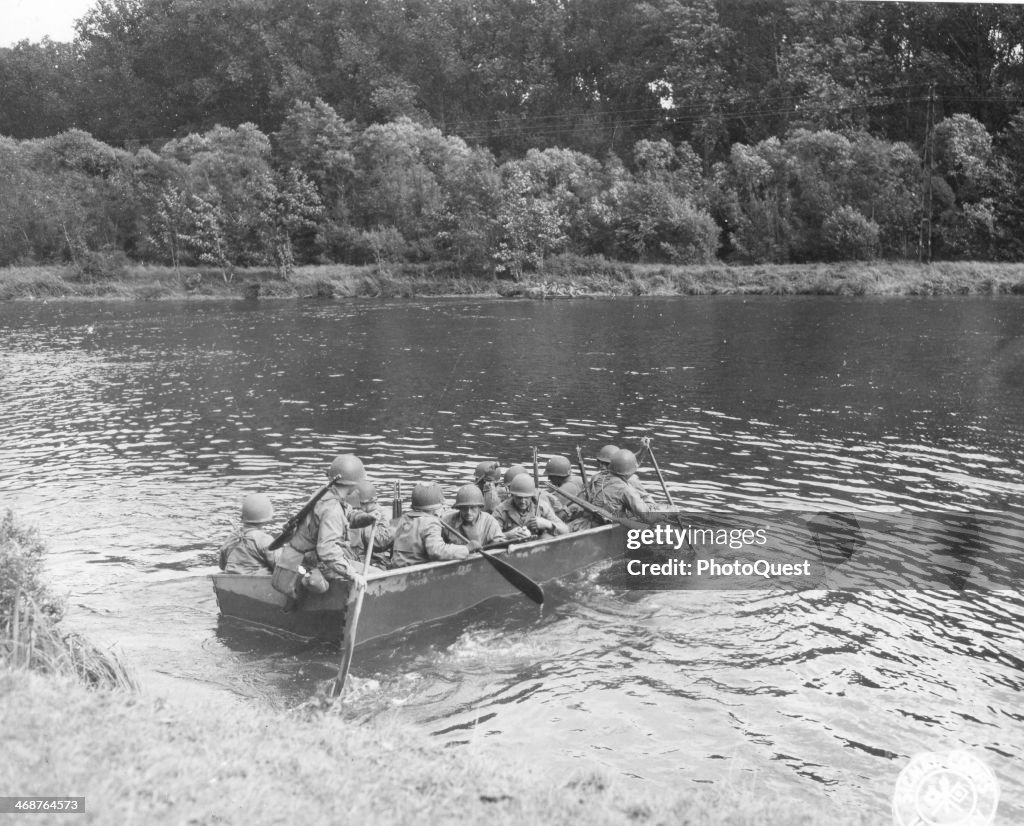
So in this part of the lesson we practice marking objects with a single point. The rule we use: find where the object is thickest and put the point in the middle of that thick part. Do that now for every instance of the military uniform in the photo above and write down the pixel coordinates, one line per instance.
(485, 530)
(566, 510)
(246, 552)
(418, 539)
(510, 518)
(494, 494)
(326, 531)
(383, 537)
(620, 498)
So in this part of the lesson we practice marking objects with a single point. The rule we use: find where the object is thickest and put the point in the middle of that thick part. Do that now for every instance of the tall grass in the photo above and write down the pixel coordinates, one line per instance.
(31, 635)
(566, 276)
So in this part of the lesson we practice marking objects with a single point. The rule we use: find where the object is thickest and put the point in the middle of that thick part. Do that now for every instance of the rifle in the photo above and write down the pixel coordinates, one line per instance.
(292, 524)
(583, 470)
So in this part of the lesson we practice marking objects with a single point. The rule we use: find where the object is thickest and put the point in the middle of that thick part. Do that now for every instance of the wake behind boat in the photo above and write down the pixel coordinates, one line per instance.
(403, 597)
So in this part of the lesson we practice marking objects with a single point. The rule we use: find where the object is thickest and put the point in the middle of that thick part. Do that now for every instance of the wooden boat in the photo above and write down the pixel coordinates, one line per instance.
(404, 597)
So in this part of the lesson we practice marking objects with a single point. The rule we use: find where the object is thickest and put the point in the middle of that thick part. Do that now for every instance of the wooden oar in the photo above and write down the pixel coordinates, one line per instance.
(514, 577)
(348, 644)
(608, 516)
(664, 487)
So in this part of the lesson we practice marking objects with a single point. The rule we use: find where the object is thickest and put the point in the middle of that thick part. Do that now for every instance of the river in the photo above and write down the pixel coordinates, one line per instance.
(132, 431)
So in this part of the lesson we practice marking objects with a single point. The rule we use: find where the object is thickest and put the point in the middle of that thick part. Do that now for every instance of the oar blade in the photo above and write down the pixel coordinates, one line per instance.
(516, 578)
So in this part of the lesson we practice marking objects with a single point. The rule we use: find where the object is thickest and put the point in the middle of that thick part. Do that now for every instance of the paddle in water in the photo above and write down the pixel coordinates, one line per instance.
(348, 642)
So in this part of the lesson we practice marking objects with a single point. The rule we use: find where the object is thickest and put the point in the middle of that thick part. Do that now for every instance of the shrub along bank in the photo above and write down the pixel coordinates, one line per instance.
(562, 277)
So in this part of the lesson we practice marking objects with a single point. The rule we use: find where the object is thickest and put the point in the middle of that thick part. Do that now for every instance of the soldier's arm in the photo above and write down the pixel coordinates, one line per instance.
(384, 537)
(560, 527)
(435, 545)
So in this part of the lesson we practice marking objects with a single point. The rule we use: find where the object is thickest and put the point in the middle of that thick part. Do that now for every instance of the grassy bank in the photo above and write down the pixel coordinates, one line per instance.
(564, 277)
(140, 760)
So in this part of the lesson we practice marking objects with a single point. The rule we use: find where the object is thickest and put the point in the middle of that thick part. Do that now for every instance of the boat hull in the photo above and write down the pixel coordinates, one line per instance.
(405, 597)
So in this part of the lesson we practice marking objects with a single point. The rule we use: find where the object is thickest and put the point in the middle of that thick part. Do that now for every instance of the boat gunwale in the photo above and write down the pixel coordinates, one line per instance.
(513, 550)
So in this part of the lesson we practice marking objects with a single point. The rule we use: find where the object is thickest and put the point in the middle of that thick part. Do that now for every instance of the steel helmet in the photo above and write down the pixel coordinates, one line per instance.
(469, 495)
(366, 492)
(522, 485)
(513, 472)
(558, 466)
(348, 469)
(256, 509)
(606, 453)
(427, 496)
(486, 470)
(624, 463)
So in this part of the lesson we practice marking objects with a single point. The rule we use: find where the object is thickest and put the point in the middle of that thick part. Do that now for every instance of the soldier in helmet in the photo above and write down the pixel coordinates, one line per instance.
(471, 519)
(487, 477)
(526, 508)
(324, 535)
(246, 551)
(419, 533)
(617, 495)
(559, 473)
(510, 474)
(601, 477)
(364, 498)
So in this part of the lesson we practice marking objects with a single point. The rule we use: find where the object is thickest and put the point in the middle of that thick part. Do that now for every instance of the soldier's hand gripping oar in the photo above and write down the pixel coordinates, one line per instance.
(514, 577)
(348, 643)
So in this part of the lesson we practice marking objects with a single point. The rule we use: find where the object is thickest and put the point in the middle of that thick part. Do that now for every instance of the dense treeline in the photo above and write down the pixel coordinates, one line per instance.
(490, 134)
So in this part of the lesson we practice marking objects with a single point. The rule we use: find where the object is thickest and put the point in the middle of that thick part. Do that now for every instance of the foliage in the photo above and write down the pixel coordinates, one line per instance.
(21, 570)
(270, 132)
(530, 223)
(849, 236)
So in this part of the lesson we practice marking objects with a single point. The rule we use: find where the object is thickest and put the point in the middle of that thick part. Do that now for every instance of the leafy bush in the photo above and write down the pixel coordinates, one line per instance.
(21, 562)
(104, 264)
(849, 236)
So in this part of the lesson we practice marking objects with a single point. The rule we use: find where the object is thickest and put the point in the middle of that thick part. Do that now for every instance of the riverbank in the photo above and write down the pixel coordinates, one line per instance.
(136, 759)
(564, 277)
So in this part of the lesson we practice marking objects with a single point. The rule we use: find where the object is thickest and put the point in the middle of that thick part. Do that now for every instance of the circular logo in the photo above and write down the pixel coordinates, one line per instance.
(945, 789)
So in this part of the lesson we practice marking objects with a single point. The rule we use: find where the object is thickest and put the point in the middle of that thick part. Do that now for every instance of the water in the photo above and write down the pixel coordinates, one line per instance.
(131, 432)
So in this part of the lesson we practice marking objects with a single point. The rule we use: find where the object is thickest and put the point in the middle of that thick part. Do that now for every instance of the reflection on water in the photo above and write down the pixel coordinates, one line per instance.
(131, 432)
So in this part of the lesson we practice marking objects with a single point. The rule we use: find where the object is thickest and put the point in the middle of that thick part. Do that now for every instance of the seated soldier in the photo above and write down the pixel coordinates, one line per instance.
(471, 520)
(616, 495)
(600, 478)
(510, 474)
(365, 498)
(322, 540)
(487, 478)
(246, 551)
(559, 473)
(418, 534)
(526, 508)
